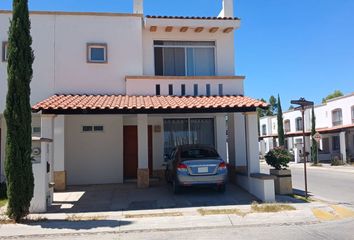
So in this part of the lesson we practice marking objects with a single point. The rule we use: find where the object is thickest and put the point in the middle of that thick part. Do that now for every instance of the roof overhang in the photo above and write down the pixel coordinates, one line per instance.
(122, 104)
(211, 25)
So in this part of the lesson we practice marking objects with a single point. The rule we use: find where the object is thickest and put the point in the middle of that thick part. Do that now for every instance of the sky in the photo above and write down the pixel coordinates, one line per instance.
(294, 48)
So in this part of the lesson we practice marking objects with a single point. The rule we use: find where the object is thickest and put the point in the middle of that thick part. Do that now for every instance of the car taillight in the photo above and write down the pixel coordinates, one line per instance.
(182, 167)
(222, 165)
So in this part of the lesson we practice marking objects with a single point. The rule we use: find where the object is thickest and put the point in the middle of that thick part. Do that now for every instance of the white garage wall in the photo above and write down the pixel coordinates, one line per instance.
(94, 158)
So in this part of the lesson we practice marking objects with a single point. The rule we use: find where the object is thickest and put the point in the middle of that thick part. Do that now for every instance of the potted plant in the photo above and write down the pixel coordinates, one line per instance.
(279, 158)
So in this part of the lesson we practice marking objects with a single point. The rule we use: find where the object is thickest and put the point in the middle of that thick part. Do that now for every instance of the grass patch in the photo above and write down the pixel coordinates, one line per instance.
(77, 218)
(316, 165)
(147, 215)
(3, 202)
(302, 198)
(233, 211)
(270, 207)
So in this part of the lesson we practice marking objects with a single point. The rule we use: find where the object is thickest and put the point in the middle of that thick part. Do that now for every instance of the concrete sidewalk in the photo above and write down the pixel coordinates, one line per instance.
(325, 167)
(170, 219)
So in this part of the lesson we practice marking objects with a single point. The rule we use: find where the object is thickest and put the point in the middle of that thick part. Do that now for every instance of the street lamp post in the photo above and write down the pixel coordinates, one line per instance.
(302, 106)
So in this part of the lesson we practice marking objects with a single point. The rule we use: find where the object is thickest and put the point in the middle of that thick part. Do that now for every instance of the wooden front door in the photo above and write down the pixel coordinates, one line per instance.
(130, 151)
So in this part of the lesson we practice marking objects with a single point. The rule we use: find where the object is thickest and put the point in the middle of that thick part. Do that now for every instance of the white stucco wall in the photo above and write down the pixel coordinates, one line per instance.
(147, 87)
(94, 158)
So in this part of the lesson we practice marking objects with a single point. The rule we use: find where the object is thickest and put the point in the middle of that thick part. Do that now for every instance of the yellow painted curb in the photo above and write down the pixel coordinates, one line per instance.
(343, 212)
(323, 215)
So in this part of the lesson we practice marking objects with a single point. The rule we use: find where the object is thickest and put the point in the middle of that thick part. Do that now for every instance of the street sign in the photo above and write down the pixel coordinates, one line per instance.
(317, 136)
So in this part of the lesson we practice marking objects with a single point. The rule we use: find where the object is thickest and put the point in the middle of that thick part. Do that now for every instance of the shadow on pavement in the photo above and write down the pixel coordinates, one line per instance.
(78, 225)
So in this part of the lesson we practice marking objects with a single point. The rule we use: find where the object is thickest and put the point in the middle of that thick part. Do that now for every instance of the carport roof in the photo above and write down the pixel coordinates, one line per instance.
(124, 104)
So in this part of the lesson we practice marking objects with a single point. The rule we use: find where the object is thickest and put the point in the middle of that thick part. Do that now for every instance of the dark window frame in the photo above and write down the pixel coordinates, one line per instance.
(90, 46)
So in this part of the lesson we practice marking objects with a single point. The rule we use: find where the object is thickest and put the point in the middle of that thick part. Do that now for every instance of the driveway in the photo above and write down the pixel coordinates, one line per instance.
(115, 197)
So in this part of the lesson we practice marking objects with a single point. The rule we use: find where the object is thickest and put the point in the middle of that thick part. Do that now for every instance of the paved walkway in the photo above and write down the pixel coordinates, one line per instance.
(116, 197)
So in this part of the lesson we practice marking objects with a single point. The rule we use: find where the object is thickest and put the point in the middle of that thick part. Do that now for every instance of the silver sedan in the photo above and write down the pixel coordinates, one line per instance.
(191, 165)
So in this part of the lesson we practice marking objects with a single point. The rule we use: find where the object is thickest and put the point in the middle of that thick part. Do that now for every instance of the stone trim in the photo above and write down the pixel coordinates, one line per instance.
(60, 180)
(143, 177)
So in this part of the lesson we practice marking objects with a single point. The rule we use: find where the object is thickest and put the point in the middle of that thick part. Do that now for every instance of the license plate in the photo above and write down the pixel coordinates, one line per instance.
(202, 169)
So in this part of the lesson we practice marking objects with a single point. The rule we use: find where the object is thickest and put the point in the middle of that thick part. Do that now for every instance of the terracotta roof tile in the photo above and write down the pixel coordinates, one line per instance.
(193, 17)
(124, 102)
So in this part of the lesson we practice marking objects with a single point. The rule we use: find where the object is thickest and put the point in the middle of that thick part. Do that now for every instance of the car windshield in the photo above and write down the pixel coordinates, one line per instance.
(199, 153)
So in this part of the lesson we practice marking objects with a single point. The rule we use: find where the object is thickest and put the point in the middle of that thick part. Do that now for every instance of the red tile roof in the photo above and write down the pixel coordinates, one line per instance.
(194, 17)
(123, 102)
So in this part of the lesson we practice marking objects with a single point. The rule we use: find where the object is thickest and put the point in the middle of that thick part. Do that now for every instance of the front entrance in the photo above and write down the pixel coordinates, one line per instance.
(130, 151)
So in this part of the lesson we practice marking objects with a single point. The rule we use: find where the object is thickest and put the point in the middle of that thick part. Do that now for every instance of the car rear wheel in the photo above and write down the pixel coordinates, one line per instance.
(221, 188)
(168, 176)
(175, 187)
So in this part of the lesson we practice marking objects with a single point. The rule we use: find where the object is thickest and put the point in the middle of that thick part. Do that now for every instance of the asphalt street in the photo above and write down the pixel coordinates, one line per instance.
(341, 230)
(323, 183)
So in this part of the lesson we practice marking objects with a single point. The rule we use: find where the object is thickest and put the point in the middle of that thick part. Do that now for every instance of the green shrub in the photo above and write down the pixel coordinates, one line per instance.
(278, 158)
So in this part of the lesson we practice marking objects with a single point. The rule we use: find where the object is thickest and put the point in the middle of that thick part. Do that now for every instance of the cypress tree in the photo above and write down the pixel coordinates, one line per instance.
(281, 136)
(314, 143)
(18, 166)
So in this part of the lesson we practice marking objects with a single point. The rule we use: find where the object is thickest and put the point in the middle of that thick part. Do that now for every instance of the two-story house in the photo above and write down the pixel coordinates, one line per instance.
(334, 121)
(116, 92)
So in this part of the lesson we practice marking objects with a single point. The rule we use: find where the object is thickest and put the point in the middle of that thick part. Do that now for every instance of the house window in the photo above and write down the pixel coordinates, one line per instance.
(97, 53)
(207, 89)
(36, 130)
(183, 89)
(335, 143)
(94, 128)
(195, 89)
(184, 58)
(352, 114)
(188, 131)
(325, 145)
(298, 123)
(157, 89)
(264, 130)
(170, 89)
(337, 117)
(287, 126)
(4, 51)
(221, 90)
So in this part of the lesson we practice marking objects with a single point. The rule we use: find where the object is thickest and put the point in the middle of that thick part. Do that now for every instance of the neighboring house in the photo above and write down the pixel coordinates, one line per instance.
(116, 92)
(334, 121)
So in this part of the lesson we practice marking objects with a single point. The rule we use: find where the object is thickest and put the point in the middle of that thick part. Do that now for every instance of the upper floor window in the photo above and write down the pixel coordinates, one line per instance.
(221, 90)
(352, 114)
(184, 58)
(298, 123)
(170, 89)
(97, 53)
(157, 89)
(4, 51)
(264, 130)
(207, 90)
(287, 125)
(183, 89)
(195, 89)
(337, 117)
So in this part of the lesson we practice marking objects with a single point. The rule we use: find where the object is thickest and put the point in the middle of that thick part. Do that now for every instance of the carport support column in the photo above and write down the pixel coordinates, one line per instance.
(43, 194)
(343, 147)
(221, 136)
(143, 154)
(252, 142)
(236, 145)
(59, 153)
